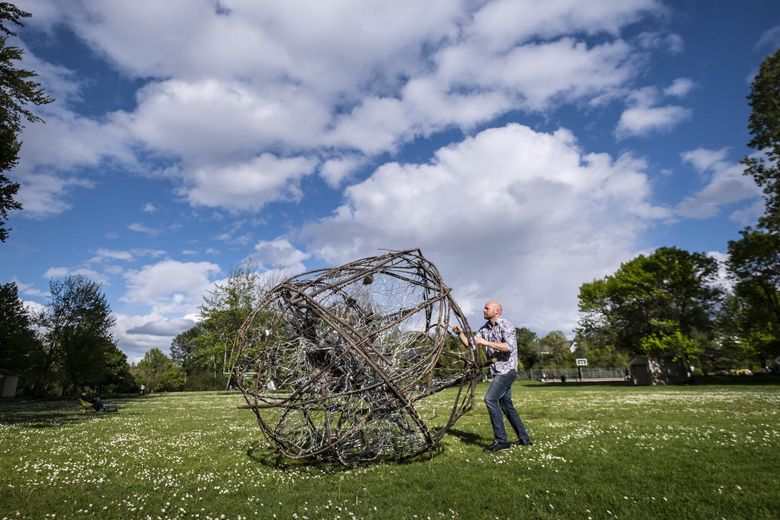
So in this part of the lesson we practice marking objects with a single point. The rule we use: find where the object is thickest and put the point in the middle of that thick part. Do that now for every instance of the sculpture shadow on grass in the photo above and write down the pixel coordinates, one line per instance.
(468, 437)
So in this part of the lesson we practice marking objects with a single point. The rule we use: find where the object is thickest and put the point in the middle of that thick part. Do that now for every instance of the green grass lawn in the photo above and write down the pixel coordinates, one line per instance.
(599, 452)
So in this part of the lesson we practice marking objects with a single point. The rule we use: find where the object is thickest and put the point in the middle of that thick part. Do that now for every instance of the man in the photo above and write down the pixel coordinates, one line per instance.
(497, 335)
(96, 403)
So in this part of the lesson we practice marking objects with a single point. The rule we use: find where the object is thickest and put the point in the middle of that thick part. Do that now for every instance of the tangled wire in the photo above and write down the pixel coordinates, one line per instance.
(338, 363)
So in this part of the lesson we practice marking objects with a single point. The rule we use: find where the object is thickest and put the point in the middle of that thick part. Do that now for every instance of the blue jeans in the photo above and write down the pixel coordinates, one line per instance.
(499, 403)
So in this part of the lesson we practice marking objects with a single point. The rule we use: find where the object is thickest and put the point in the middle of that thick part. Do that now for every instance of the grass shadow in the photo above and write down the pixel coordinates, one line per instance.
(719, 380)
(47, 419)
(45, 414)
(573, 383)
(467, 437)
(754, 380)
(266, 455)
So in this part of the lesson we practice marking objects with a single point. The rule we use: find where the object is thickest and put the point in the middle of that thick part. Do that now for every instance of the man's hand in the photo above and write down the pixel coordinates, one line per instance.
(456, 329)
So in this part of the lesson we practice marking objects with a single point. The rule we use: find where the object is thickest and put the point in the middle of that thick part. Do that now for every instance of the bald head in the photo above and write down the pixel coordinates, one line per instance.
(492, 310)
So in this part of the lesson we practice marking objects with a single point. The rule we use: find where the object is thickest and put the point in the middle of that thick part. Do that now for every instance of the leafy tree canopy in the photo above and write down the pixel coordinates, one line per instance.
(555, 351)
(754, 259)
(78, 328)
(72, 343)
(527, 349)
(754, 264)
(18, 91)
(223, 312)
(764, 128)
(653, 304)
(203, 351)
(158, 372)
(600, 354)
(226, 307)
(17, 338)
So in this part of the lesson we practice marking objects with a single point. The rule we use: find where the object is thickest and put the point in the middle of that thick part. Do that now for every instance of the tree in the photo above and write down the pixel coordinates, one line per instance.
(733, 346)
(17, 338)
(223, 312)
(83, 329)
(185, 353)
(754, 264)
(764, 128)
(76, 334)
(599, 354)
(661, 305)
(557, 353)
(158, 372)
(172, 379)
(754, 259)
(527, 349)
(118, 378)
(183, 346)
(17, 90)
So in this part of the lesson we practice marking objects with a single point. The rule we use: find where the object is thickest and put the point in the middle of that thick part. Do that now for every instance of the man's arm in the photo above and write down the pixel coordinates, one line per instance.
(462, 337)
(479, 340)
(503, 347)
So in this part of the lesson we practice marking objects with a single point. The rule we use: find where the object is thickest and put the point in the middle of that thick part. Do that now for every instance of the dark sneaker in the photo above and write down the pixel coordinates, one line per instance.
(498, 446)
(523, 443)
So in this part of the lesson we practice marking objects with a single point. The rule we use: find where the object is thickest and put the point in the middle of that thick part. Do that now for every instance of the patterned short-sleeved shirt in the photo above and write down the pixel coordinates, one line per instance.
(500, 332)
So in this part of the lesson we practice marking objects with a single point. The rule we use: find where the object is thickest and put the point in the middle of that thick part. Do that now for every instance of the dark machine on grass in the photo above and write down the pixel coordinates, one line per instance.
(348, 364)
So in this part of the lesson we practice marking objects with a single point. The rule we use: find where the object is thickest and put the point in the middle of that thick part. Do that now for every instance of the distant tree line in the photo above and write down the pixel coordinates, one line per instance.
(555, 351)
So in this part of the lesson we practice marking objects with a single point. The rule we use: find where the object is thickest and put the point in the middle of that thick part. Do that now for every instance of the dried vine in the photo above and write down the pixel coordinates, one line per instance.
(337, 363)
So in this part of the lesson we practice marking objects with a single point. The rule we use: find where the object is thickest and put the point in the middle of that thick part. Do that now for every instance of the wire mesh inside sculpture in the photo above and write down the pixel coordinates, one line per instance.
(345, 364)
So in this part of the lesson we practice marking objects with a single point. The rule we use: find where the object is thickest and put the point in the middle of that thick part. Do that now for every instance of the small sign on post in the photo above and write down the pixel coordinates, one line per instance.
(581, 362)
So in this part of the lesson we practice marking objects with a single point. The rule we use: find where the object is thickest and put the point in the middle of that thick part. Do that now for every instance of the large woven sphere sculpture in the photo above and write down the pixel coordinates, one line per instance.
(344, 364)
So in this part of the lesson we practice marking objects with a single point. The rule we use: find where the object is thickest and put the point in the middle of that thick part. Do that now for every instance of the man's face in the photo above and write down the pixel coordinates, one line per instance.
(490, 310)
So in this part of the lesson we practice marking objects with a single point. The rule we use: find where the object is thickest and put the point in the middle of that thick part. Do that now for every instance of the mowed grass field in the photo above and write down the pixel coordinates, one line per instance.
(599, 452)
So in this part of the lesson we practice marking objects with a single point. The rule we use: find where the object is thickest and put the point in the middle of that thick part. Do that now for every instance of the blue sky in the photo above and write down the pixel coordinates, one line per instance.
(525, 146)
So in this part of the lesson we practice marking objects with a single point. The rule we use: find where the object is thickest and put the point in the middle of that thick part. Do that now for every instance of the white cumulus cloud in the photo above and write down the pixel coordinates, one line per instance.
(44, 195)
(679, 87)
(639, 121)
(138, 334)
(111, 254)
(512, 214)
(250, 185)
(170, 286)
(280, 254)
(725, 184)
(246, 94)
(646, 114)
